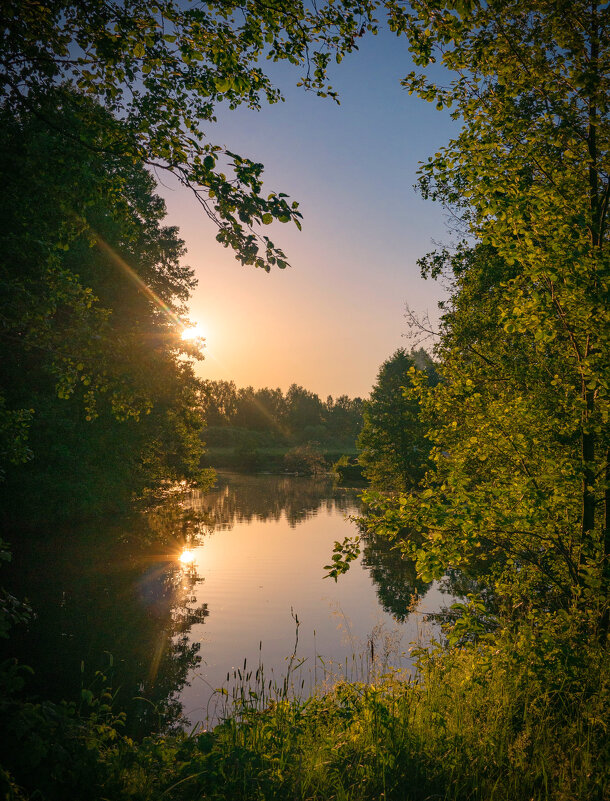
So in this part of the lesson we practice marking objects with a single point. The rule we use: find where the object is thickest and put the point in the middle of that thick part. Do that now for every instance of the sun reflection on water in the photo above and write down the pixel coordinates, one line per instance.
(187, 556)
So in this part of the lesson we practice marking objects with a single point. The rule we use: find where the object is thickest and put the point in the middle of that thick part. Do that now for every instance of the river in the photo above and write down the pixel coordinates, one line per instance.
(211, 595)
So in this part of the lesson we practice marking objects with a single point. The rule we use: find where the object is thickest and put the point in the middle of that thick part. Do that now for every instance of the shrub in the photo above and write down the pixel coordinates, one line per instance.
(305, 460)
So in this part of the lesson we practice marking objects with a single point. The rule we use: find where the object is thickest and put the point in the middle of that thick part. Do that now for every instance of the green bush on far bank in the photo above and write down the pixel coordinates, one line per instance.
(249, 456)
(348, 469)
(305, 460)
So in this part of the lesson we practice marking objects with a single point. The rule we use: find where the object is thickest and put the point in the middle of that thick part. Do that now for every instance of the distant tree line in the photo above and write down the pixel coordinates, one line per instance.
(236, 416)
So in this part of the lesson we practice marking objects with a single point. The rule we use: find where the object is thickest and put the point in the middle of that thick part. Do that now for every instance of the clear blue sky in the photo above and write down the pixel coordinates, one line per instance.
(329, 321)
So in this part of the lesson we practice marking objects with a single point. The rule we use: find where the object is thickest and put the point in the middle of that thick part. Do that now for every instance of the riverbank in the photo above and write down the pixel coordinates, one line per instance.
(279, 459)
(521, 714)
(509, 720)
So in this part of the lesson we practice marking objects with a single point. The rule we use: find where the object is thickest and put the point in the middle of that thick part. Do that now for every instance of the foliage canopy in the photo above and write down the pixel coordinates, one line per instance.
(95, 291)
(520, 482)
(161, 69)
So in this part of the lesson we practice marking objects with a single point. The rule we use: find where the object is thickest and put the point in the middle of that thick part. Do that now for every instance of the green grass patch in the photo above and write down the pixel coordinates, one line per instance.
(519, 718)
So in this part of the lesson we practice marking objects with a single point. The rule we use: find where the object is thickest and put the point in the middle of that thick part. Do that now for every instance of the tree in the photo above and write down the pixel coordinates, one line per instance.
(521, 437)
(261, 410)
(160, 70)
(220, 402)
(392, 443)
(499, 495)
(344, 418)
(135, 83)
(304, 414)
(95, 294)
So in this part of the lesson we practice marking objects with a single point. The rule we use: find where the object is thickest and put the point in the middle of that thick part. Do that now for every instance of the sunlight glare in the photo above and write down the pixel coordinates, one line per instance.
(187, 556)
(193, 332)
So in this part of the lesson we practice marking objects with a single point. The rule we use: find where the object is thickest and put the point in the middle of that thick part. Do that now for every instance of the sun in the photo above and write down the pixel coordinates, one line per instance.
(193, 332)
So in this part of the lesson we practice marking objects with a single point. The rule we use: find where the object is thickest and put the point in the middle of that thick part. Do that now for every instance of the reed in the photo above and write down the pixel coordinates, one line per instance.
(522, 716)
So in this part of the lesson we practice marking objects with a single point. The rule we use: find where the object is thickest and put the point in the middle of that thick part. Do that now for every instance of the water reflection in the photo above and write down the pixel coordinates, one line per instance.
(243, 499)
(111, 598)
(398, 587)
(263, 564)
(179, 594)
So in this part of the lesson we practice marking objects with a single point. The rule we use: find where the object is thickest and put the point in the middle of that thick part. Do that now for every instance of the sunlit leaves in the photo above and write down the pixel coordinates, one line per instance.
(344, 553)
(521, 449)
(162, 69)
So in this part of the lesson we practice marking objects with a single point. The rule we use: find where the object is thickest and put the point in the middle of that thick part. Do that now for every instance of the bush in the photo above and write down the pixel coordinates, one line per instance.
(347, 469)
(305, 460)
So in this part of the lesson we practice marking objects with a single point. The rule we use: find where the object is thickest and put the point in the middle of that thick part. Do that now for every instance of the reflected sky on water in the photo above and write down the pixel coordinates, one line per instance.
(262, 565)
(162, 605)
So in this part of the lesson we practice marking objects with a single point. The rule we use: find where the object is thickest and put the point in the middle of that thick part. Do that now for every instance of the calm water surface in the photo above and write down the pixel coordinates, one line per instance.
(262, 567)
(165, 605)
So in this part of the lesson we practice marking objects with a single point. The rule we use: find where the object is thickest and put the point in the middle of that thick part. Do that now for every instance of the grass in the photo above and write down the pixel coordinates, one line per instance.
(523, 717)
(475, 725)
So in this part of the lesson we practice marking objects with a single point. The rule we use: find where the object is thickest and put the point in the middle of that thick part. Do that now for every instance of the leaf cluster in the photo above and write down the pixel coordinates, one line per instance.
(161, 70)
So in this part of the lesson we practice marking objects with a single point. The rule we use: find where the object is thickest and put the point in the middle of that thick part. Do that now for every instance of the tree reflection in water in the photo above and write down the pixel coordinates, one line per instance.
(395, 577)
(242, 498)
(112, 598)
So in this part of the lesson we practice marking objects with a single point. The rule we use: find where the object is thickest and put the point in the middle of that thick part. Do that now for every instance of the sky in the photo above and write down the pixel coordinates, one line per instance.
(330, 319)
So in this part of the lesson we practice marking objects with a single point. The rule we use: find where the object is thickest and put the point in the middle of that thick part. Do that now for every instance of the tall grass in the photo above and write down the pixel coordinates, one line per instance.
(520, 718)
(475, 724)
(251, 689)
